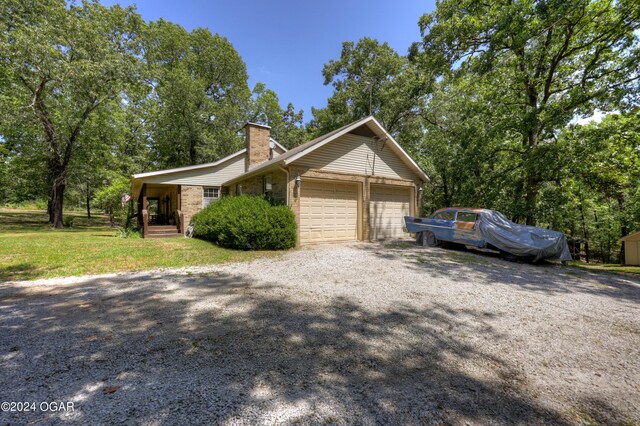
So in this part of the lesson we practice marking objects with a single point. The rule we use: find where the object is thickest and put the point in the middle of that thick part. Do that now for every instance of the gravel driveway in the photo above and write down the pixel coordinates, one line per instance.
(361, 333)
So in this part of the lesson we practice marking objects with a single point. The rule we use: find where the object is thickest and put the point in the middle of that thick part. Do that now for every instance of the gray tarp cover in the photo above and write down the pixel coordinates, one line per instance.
(522, 240)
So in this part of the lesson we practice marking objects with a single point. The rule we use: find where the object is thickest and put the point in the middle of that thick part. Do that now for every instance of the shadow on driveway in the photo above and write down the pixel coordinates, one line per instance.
(545, 277)
(215, 348)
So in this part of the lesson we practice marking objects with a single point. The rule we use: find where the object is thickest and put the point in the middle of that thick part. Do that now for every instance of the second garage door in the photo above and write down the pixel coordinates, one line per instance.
(328, 211)
(389, 204)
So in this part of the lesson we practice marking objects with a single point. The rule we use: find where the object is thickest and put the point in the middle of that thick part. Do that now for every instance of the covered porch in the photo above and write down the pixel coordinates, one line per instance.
(159, 210)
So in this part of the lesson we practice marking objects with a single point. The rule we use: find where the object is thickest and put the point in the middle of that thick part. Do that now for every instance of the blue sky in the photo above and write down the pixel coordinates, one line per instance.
(286, 43)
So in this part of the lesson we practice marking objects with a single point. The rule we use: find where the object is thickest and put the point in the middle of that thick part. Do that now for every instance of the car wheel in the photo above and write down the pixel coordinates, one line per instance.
(430, 239)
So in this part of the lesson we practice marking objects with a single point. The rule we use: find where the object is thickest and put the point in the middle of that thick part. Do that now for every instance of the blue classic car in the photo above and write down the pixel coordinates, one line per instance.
(489, 229)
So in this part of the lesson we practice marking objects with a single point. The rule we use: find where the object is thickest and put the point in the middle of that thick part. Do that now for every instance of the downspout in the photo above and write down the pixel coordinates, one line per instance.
(287, 191)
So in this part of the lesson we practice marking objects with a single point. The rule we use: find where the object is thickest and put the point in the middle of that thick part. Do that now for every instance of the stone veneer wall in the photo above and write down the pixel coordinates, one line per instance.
(255, 185)
(191, 202)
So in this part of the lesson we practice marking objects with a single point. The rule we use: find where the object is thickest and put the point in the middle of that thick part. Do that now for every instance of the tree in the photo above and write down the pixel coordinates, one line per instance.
(24, 160)
(293, 131)
(605, 158)
(201, 93)
(371, 78)
(286, 125)
(548, 61)
(109, 199)
(62, 63)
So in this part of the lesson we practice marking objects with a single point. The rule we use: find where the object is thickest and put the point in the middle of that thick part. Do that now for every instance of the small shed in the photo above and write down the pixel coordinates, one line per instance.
(631, 249)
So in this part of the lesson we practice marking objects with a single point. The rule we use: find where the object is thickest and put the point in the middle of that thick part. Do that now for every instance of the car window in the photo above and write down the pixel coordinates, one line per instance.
(467, 217)
(445, 215)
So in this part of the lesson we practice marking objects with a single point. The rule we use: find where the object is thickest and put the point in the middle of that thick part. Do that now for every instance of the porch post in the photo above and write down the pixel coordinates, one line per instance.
(144, 197)
(145, 213)
(180, 215)
(139, 215)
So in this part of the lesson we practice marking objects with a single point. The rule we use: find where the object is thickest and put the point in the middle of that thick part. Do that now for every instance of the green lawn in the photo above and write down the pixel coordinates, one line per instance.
(30, 249)
(608, 267)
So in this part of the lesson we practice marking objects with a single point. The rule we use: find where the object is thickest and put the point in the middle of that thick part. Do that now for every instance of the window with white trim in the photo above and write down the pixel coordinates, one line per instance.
(210, 194)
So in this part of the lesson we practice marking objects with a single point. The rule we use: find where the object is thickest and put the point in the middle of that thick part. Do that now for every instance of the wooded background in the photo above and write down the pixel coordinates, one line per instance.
(488, 102)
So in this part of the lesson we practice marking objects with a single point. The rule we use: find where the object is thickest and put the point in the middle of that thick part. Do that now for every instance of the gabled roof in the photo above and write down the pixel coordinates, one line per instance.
(187, 168)
(628, 237)
(308, 147)
(201, 166)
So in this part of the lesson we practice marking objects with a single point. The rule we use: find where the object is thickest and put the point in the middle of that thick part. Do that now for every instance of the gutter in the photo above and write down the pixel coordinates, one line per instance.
(252, 173)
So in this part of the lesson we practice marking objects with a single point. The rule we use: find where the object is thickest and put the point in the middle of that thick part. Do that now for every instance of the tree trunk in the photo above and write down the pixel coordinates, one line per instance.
(531, 141)
(445, 188)
(599, 232)
(50, 207)
(530, 200)
(585, 234)
(192, 151)
(624, 229)
(59, 155)
(59, 186)
(88, 195)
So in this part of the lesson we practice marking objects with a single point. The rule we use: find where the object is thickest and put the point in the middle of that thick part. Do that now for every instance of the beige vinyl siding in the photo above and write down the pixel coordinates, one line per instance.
(632, 252)
(387, 208)
(210, 176)
(328, 211)
(632, 249)
(359, 155)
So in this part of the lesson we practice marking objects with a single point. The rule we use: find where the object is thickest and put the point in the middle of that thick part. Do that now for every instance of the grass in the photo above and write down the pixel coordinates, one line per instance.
(31, 249)
(607, 267)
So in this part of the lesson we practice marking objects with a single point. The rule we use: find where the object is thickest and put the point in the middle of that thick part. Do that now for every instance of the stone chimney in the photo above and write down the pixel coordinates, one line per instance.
(257, 141)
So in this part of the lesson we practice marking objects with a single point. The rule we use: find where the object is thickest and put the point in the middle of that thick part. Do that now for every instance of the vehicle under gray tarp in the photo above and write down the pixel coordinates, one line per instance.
(522, 240)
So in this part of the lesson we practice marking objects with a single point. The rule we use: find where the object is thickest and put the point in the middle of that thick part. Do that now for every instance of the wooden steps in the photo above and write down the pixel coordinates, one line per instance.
(162, 231)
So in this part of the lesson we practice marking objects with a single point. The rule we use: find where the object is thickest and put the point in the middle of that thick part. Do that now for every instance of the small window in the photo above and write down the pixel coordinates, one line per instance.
(268, 187)
(210, 194)
(467, 217)
(445, 215)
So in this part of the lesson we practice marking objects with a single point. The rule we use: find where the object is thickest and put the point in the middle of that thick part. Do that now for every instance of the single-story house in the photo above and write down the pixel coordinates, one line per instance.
(354, 183)
(631, 249)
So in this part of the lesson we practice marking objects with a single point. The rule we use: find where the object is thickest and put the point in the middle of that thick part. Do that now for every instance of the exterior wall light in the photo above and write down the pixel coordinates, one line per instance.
(298, 182)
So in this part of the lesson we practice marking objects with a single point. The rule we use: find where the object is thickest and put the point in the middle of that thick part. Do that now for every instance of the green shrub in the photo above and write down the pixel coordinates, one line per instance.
(109, 199)
(246, 222)
(123, 232)
(67, 221)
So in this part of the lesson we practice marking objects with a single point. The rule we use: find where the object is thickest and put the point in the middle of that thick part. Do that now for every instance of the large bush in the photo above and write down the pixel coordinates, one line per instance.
(109, 199)
(246, 222)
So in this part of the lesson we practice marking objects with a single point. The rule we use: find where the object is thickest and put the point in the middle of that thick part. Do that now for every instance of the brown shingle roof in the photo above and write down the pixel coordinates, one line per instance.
(308, 145)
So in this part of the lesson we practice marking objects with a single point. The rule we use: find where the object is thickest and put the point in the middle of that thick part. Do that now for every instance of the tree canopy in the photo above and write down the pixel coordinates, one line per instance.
(540, 64)
(90, 93)
(492, 101)
(60, 66)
